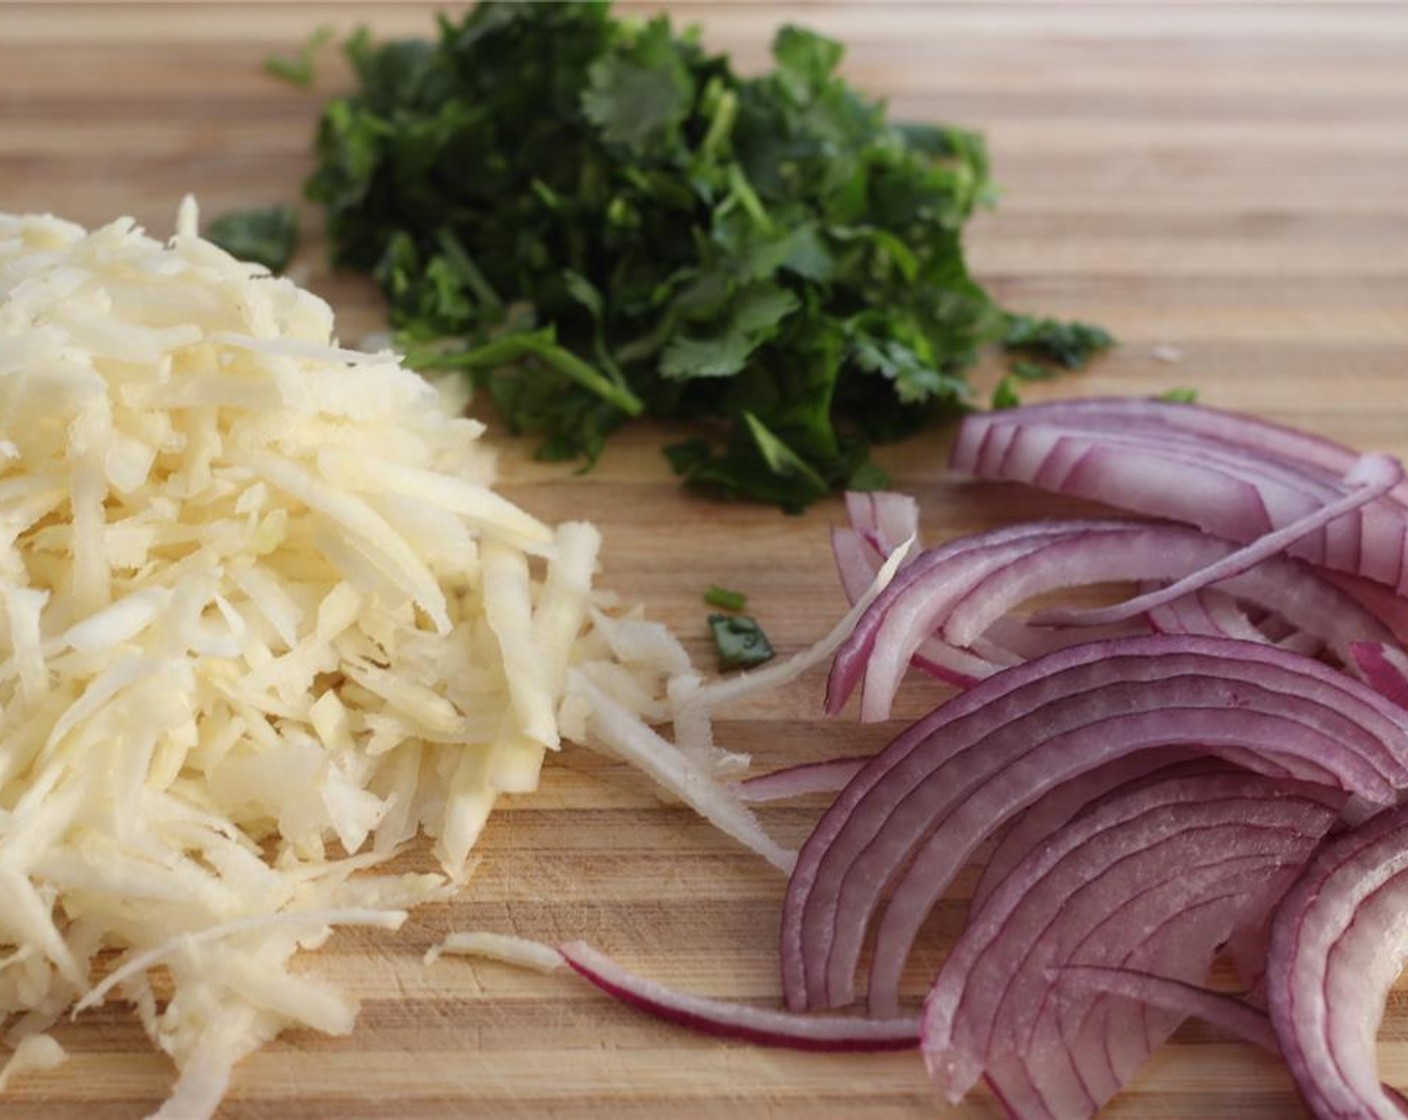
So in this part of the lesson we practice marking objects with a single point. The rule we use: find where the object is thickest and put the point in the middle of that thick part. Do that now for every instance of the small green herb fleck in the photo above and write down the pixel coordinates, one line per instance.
(1069, 344)
(725, 599)
(1005, 395)
(266, 235)
(740, 641)
(1033, 371)
(298, 71)
(1182, 395)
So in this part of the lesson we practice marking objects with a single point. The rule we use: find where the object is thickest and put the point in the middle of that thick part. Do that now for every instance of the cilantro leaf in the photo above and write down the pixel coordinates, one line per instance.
(739, 641)
(1005, 394)
(1070, 344)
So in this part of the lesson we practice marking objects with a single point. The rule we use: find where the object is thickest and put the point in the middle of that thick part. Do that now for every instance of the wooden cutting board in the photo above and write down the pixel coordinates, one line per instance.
(1224, 185)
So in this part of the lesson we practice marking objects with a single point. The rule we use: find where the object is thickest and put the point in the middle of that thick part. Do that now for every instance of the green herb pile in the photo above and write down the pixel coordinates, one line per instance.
(599, 219)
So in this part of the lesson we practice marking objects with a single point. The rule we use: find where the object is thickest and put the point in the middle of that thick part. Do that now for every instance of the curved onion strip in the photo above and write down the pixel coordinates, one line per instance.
(1249, 492)
(1210, 612)
(1389, 608)
(1057, 808)
(1226, 1012)
(1213, 474)
(737, 1020)
(1384, 667)
(858, 651)
(1337, 944)
(1374, 476)
(954, 777)
(1123, 550)
(1015, 639)
(1155, 874)
(1229, 427)
(1076, 1049)
(885, 519)
(798, 781)
(969, 592)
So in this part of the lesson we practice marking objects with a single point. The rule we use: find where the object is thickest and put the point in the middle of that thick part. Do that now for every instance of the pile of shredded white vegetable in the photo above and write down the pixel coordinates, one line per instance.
(262, 621)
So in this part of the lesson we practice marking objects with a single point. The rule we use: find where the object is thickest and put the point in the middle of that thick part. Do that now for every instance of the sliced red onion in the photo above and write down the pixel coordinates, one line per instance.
(1153, 878)
(860, 649)
(1103, 552)
(1226, 1012)
(1230, 475)
(1384, 667)
(885, 519)
(1388, 607)
(969, 590)
(1373, 476)
(738, 1020)
(798, 781)
(1338, 942)
(1056, 809)
(926, 801)
(1207, 612)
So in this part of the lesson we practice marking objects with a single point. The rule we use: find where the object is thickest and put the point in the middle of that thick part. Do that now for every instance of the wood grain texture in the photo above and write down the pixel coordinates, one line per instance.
(1227, 179)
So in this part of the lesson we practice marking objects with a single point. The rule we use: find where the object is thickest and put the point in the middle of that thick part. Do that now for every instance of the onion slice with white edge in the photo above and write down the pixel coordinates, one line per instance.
(1152, 877)
(918, 810)
(1338, 942)
(739, 1020)
(1231, 475)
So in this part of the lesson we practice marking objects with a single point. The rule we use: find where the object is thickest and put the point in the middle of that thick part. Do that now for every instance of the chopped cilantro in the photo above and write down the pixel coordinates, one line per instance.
(1024, 370)
(740, 641)
(1070, 345)
(1182, 395)
(1005, 395)
(266, 235)
(725, 599)
(598, 218)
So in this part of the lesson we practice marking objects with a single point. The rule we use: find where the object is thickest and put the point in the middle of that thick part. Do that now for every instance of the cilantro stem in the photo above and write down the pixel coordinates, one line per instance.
(537, 344)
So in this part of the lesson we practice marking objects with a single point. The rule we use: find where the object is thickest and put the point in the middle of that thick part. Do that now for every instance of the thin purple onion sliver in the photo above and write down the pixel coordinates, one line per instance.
(742, 1021)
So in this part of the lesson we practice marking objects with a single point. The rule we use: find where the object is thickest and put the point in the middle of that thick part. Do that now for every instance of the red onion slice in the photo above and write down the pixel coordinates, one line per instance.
(1337, 944)
(885, 519)
(1226, 474)
(970, 590)
(1226, 1012)
(798, 781)
(1151, 876)
(1057, 808)
(738, 1020)
(1374, 476)
(1384, 667)
(857, 652)
(957, 775)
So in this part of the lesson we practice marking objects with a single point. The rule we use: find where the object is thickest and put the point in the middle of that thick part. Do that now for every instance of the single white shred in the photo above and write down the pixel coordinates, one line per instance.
(520, 951)
(619, 731)
(35, 1053)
